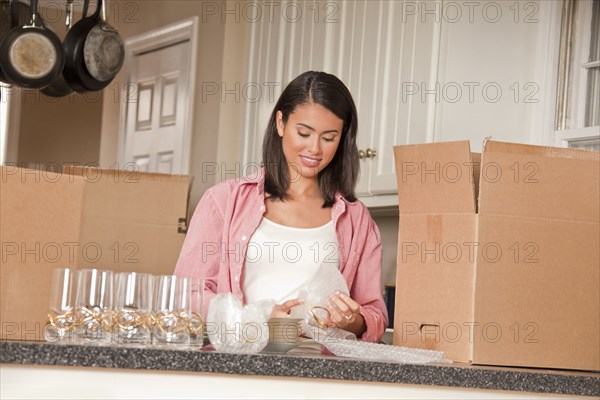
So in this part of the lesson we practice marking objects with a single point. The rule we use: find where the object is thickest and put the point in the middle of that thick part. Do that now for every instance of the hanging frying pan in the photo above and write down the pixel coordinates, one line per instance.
(103, 51)
(60, 88)
(31, 55)
(12, 14)
(4, 27)
(94, 52)
(5, 23)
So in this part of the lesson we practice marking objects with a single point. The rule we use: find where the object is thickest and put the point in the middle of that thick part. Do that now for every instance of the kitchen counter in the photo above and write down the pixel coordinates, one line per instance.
(301, 366)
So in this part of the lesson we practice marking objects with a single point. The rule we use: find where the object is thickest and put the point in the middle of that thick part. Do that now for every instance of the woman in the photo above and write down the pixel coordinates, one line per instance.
(266, 235)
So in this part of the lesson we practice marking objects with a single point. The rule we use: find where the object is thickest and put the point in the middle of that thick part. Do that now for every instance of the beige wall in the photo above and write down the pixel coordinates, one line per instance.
(59, 131)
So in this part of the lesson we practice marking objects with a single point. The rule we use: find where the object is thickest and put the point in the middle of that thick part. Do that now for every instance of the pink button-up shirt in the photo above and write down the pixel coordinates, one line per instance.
(229, 213)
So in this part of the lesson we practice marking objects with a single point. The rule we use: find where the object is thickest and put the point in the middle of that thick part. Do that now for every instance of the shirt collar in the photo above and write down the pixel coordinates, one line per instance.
(258, 178)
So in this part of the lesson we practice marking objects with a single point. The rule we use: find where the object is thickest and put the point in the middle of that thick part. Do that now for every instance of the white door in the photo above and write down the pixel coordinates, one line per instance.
(157, 126)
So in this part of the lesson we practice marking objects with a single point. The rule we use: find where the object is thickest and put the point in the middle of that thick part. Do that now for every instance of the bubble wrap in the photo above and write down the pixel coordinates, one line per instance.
(327, 280)
(316, 293)
(382, 352)
(233, 327)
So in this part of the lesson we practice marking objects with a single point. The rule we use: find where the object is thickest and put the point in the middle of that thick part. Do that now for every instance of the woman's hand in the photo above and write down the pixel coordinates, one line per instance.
(345, 314)
(284, 310)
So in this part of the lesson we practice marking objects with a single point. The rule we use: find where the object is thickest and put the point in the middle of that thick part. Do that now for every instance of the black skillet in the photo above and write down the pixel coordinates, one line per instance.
(94, 52)
(103, 51)
(4, 27)
(31, 55)
(12, 14)
(60, 88)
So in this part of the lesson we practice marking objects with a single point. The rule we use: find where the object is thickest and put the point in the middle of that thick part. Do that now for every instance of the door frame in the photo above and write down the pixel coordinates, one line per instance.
(184, 30)
(11, 125)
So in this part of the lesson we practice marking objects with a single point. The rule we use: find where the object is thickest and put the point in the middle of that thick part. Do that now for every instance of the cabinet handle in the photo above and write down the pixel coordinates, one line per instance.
(361, 154)
(370, 153)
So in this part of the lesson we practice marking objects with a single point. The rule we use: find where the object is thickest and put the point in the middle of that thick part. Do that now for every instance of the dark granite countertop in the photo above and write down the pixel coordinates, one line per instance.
(302, 366)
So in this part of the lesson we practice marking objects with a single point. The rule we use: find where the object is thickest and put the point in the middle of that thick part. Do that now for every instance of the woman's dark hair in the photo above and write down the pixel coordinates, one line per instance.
(342, 172)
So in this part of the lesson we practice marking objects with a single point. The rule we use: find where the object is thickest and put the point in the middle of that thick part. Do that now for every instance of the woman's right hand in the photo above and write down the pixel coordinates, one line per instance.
(284, 310)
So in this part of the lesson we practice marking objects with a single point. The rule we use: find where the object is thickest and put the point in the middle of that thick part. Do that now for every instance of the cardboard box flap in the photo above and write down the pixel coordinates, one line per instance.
(129, 235)
(114, 195)
(39, 231)
(531, 181)
(435, 178)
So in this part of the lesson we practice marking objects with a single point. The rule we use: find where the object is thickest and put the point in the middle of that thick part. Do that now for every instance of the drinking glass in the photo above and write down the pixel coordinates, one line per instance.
(196, 320)
(171, 310)
(94, 306)
(61, 316)
(133, 308)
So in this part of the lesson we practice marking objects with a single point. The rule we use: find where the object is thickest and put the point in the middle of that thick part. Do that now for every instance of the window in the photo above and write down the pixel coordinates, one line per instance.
(578, 101)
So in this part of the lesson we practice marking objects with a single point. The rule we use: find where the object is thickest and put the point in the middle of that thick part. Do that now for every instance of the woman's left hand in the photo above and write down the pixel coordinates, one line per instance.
(284, 310)
(345, 314)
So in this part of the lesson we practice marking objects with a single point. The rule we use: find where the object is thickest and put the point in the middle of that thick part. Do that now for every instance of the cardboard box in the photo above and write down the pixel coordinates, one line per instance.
(498, 261)
(84, 218)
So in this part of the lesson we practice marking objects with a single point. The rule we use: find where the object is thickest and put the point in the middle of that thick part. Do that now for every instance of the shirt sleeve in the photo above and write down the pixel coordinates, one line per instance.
(201, 250)
(366, 288)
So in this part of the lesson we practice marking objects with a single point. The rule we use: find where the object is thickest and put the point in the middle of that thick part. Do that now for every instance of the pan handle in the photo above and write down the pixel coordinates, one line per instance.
(69, 18)
(86, 6)
(105, 26)
(33, 4)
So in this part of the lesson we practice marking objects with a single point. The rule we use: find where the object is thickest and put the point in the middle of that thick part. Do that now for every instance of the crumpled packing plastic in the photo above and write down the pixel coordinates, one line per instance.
(340, 342)
(233, 327)
(382, 352)
(315, 297)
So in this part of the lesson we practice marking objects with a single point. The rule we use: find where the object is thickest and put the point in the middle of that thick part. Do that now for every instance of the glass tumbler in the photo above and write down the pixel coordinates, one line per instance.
(94, 306)
(171, 310)
(61, 316)
(133, 308)
(196, 320)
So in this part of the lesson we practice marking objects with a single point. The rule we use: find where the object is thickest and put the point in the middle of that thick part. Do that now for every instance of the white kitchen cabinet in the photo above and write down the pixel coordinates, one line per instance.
(384, 52)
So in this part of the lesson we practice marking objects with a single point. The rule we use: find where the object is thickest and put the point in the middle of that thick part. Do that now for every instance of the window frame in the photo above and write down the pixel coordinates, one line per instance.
(570, 128)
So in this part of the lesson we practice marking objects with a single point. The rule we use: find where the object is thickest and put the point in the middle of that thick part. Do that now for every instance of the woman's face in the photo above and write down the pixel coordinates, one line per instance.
(310, 139)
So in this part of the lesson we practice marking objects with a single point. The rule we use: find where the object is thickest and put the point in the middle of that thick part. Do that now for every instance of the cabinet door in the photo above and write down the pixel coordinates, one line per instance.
(403, 106)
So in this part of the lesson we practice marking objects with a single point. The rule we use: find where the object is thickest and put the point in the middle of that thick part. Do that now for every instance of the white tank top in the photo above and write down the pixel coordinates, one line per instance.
(281, 259)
